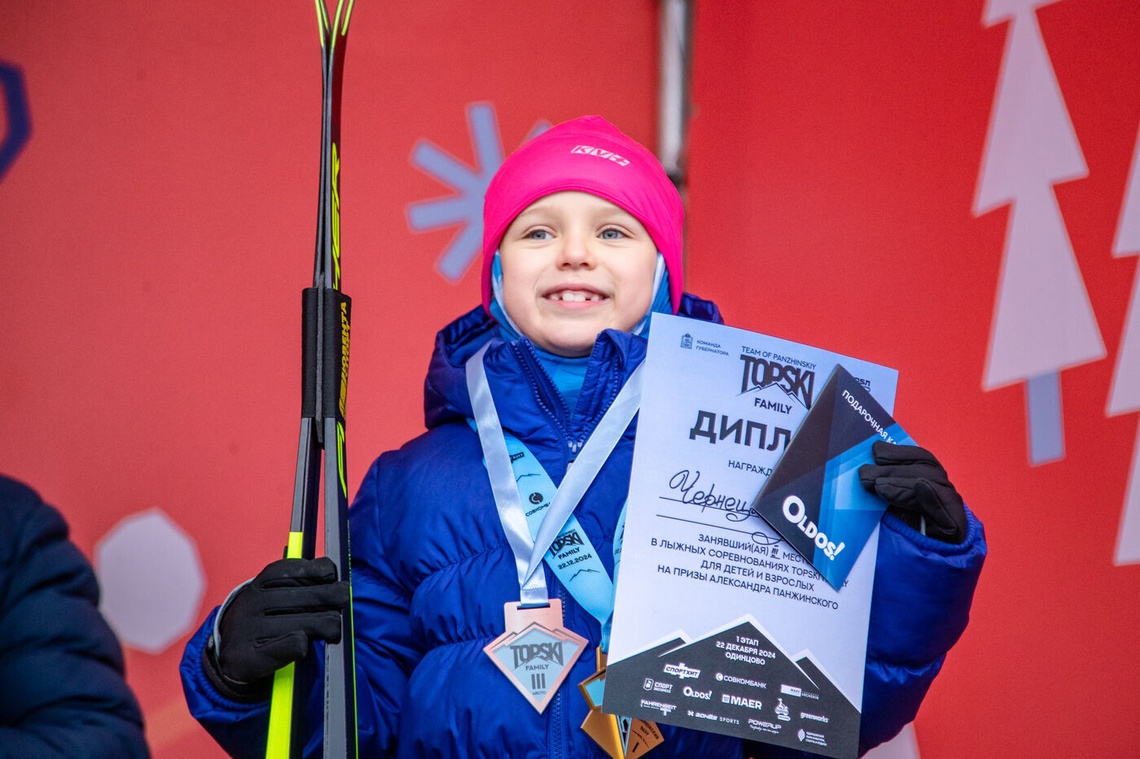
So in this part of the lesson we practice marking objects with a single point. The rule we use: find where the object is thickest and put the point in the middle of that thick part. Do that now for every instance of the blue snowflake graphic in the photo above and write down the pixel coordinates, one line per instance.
(465, 209)
(16, 111)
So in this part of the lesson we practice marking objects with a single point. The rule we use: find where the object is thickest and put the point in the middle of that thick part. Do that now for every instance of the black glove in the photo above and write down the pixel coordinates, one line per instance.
(915, 486)
(272, 621)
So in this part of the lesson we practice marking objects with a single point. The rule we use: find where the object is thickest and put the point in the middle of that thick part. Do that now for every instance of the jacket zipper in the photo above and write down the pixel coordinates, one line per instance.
(544, 389)
(559, 743)
(543, 386)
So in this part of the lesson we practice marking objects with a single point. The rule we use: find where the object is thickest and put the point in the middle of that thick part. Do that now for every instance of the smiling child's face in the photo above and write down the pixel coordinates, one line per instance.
(574, 265)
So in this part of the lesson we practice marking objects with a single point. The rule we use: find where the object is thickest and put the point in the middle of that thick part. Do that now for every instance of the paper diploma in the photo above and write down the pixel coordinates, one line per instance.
(719, 624)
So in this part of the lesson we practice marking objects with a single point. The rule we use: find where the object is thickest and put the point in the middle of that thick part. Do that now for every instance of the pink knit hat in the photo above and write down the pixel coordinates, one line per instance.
(587, 154)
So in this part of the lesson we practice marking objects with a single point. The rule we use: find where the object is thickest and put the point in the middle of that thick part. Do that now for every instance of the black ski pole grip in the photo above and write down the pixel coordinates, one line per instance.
(310, 330)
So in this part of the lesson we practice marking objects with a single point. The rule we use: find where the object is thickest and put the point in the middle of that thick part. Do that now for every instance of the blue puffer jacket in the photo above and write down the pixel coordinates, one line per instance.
(62, 689)
(432, 570)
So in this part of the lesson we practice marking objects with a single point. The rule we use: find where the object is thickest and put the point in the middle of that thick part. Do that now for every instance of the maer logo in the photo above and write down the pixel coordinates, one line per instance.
(760, 373)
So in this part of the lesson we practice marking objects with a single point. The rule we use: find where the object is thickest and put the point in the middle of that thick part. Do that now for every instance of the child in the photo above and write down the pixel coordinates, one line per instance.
(582, 242)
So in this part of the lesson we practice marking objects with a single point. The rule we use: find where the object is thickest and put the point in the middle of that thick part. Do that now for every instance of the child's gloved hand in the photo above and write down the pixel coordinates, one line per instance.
(272, 621)
(916, 486)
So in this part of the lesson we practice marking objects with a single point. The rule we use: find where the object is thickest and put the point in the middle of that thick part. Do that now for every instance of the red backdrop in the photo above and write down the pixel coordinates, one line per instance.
(158, 228)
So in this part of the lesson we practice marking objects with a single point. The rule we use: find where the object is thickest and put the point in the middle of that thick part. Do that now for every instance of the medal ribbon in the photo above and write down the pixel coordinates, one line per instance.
(572, 556)
(550, 529)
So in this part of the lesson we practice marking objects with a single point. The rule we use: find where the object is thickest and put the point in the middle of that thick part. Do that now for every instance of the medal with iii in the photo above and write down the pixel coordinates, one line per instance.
(536, 651)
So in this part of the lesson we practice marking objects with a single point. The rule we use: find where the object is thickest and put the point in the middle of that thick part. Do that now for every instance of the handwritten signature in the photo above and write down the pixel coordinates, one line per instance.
(735, 509)
(685, 482)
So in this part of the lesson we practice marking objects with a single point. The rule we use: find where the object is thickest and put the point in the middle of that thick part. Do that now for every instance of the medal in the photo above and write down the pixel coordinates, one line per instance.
(603, 730)
(620, 737)
(641, 736)
(601, 727)
(594, 687)
(536, 652)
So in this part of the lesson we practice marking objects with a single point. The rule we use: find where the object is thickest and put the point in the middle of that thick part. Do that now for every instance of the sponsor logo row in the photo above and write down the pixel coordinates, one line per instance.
(780, 711)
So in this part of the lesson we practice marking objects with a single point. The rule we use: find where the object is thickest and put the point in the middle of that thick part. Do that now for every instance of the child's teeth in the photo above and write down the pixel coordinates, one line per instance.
(575, 296)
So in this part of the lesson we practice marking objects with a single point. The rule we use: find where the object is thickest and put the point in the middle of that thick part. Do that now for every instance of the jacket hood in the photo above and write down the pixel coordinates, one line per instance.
(445, 388)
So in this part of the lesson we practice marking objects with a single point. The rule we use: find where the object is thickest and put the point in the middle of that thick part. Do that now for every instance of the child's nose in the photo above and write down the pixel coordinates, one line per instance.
(577, 250)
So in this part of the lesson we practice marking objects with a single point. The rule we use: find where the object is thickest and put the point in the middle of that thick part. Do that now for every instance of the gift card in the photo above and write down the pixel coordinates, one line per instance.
(813, 497)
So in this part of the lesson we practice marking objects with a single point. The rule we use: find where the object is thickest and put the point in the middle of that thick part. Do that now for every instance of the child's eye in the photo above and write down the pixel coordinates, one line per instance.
(612, 234)
(538, 234)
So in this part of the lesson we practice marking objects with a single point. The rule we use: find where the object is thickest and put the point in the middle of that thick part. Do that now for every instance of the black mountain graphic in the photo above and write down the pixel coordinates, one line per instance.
(736, 682)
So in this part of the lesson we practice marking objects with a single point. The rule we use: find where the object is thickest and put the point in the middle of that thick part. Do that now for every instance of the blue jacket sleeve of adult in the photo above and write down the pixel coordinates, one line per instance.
(62, 686)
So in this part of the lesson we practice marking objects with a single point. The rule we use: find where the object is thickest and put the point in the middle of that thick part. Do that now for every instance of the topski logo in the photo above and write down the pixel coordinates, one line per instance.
(760, 373)
(562, 541)
(527, 652)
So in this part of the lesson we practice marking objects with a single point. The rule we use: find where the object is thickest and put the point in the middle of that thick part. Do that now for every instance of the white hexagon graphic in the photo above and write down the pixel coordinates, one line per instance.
(152, 580)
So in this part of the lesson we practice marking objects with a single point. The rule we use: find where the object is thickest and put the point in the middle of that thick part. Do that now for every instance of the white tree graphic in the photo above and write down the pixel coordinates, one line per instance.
(1043, 321)
(1124, 397)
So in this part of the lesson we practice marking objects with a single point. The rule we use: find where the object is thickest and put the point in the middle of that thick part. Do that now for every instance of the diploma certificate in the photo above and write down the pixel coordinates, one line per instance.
(719, 624)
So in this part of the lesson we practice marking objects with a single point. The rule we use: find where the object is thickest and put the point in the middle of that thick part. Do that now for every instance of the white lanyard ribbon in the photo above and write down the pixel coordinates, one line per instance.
(528, 551)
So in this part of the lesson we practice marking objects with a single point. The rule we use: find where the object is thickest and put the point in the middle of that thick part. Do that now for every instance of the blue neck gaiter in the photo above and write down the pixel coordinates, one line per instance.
(508, 331)
(569, 373)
